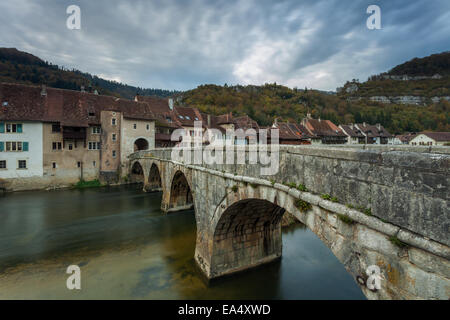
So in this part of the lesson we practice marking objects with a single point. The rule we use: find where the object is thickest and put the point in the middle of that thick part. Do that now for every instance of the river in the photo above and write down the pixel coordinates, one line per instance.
(128, 249)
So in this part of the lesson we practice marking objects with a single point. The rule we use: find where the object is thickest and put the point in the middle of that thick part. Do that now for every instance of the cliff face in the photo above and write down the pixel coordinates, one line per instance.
(415, 100)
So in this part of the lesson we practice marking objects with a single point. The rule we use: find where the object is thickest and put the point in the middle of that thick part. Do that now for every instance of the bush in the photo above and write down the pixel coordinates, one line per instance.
(303, 206)
(82, 184)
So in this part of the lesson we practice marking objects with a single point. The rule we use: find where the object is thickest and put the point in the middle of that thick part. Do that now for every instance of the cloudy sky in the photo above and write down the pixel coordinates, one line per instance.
(180, 44)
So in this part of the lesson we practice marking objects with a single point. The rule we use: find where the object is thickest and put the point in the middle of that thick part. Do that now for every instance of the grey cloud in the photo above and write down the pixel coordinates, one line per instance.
(181, 44)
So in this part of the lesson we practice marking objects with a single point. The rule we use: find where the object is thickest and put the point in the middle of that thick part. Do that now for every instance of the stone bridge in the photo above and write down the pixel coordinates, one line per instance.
(383, 206)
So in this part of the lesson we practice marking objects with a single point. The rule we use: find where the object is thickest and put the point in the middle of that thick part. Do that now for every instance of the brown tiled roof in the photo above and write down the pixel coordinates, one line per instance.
(407, 137)
(245, 122)
(186, 116)
(352, 131)
(373, 131)
(70, 108)
(438, 136)
(320, 127)
(291, 131)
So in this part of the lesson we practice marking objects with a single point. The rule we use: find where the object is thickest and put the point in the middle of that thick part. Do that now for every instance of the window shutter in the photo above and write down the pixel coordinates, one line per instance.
(25, 146)
(2, 146)
(2, 127)
(19, 128)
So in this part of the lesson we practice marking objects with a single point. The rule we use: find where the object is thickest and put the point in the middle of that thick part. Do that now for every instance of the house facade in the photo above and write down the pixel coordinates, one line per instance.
(52, 138)
(431, 139)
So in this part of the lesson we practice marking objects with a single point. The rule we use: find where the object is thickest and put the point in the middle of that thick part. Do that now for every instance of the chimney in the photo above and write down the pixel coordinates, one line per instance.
(351, 126)
(96, 92)
(378, 126)
(308, 115)
(364, 124)
(275, 122)
(209, 120)
(319, 119)
(170, 103)
(82, 89)
(44, 90)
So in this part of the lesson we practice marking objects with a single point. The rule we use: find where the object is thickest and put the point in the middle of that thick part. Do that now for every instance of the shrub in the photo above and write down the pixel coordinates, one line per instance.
(234, 188)
(302, 188)
(82, 184)
(303, 206)
(396, 241)
(326, 196)
(346, 219)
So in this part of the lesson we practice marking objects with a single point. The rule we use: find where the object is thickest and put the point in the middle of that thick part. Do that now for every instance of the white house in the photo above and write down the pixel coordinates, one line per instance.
(21, 154)
(431, 139)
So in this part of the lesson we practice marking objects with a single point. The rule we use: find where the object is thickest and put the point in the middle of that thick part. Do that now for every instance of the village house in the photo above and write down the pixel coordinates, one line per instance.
(51, 138)
(323, 131)
(375, 134)
(292, 133)
(354, 135)
(431, 139)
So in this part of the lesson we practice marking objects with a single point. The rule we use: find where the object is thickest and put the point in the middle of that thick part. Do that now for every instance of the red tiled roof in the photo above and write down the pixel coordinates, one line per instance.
(323, 128)
(70, 108)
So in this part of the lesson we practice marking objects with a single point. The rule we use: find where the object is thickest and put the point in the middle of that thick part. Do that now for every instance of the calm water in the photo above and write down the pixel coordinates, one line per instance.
(128, 249)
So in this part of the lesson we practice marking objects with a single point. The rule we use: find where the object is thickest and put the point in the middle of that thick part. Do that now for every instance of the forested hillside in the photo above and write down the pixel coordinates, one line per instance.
(265, 103)
(21, 67)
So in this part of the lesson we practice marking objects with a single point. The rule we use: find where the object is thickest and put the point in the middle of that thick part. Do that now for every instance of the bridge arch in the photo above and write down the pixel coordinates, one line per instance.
(180, 193)
(154, 181)
(137, 174)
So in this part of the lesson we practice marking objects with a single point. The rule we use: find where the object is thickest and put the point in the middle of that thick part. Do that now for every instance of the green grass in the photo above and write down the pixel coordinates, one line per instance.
(303, 206)
(82, 184)
(302, 188)
(290, 185)
(326, 196)
(346, 219)
(396, 241)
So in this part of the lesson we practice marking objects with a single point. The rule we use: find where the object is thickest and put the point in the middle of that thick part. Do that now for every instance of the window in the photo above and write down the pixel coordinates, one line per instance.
(96, 130)
(2, 164)
(13, 128)
(54, 165)
(94, 145)
(187, 117)
(22, 164)
(113, 121)
(56, 128)
(114, 153)
(79, 164)
(14, 146)
(57, 146)
(148, 127)
(91, 114)
(135, 126)
(70, 146)
(94, 163)
(114, 137)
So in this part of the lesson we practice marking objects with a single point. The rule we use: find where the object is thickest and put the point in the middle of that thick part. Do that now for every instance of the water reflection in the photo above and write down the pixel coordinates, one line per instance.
(128, 249)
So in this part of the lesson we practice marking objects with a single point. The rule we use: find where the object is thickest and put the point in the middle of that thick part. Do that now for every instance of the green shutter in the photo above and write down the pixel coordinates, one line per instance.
(19, 128)
(25, 146)
(2, 146)
(2, 127)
